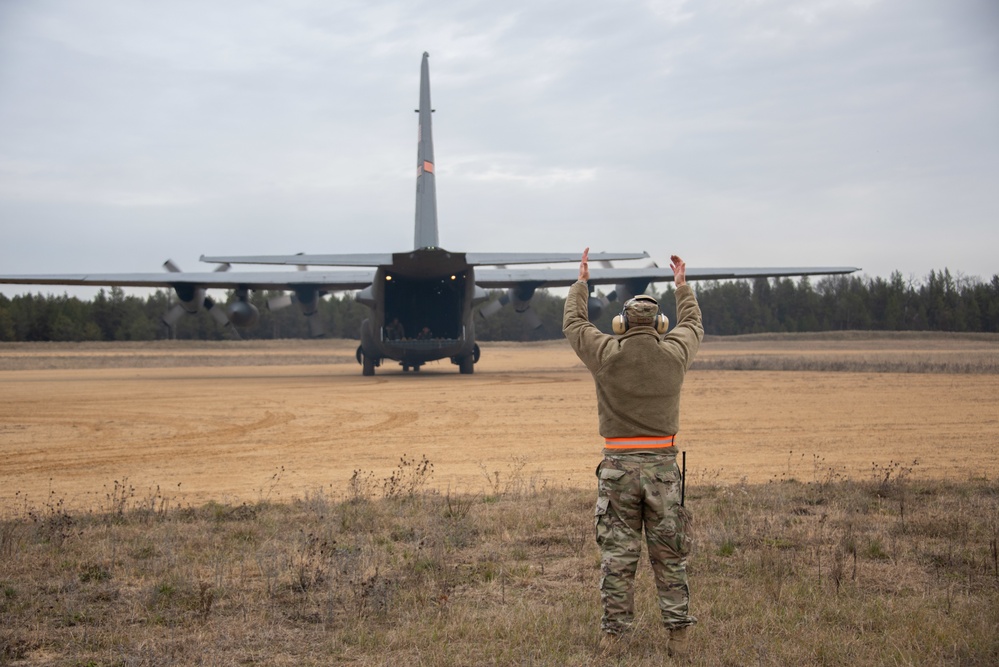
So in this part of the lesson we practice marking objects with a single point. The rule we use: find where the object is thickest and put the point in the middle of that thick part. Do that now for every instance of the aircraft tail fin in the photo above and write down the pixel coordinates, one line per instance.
(426, 187)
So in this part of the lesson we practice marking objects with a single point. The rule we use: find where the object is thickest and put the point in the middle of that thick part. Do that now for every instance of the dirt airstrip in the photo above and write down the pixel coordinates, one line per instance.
(251, 420)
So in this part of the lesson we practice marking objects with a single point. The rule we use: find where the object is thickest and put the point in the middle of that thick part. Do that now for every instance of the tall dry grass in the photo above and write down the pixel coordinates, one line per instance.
(876, 571)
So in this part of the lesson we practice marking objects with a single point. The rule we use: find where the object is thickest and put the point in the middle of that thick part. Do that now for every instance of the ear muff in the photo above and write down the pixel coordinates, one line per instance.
(620, 322)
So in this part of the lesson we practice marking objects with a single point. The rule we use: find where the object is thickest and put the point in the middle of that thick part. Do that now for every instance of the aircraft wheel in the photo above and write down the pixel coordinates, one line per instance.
(368, 365)
(466, 365)
(405, 368)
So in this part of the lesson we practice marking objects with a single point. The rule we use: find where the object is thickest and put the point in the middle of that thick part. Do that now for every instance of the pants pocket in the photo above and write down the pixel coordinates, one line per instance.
(685, 533)
(602, 503)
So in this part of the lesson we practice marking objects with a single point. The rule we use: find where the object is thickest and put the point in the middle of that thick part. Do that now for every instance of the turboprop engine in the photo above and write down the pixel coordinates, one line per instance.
(307, 298)
(192, 298)
(520, 296)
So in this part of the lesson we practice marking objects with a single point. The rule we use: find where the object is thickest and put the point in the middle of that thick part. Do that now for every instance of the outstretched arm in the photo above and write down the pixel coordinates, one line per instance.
(686, 336)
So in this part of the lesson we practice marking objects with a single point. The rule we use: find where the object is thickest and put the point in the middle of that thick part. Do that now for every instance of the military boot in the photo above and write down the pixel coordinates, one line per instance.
(679, 643)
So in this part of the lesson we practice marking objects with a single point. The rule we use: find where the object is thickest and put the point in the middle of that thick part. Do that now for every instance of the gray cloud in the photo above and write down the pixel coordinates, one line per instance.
(765, 133)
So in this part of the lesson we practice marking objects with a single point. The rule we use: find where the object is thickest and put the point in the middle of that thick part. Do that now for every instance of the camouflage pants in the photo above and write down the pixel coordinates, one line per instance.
(639, 491)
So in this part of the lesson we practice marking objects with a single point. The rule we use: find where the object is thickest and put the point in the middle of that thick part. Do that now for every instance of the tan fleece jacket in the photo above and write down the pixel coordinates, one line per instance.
(639, 374)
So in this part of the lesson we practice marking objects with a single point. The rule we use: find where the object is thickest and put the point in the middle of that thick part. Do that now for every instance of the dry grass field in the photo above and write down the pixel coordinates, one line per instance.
(265, 504)
(223, 421)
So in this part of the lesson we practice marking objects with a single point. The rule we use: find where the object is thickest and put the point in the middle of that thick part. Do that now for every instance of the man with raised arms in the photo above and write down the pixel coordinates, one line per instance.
(638, 374)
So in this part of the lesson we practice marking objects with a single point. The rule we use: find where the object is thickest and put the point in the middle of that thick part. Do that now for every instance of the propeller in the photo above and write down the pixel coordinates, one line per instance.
(171, 317)
(531, 318)
(308, 302)
(316, 327)
(493, 307)
(520, 296)
(218, 313)
(276, 303)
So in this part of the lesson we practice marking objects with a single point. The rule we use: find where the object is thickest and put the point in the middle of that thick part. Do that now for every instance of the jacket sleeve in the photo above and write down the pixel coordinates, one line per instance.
(685, 338)
(585, 338)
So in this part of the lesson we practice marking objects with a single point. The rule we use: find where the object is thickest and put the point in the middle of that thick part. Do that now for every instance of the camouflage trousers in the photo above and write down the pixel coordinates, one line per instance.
(636, 492)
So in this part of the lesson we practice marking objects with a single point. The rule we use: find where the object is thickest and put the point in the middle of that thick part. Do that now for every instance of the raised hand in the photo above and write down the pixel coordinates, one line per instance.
(679, 270)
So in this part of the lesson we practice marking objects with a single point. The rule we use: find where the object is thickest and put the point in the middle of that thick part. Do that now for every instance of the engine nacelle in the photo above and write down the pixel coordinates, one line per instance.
(191, 298)
(308, 299)
(520, 296)
(242, 313)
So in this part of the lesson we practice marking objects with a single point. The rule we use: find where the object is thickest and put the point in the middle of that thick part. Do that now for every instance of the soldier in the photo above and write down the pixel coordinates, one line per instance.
(638, 376)
(395, 330)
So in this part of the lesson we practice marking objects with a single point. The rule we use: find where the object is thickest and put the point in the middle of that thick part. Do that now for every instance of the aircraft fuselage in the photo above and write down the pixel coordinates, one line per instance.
(421, 310)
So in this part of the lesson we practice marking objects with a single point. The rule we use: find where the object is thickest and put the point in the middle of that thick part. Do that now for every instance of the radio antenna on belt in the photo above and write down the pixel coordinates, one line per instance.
(683, 476)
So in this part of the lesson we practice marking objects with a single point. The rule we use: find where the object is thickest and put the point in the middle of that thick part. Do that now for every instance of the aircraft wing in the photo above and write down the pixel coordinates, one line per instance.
(494, 278)
(384, 259)
(255, 280)
(754, 272)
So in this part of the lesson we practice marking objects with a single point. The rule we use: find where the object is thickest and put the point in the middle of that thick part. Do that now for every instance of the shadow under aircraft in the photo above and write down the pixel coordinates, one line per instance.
(423, 301)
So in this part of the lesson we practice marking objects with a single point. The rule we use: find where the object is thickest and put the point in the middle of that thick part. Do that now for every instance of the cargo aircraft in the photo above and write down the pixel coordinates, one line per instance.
(423, 301)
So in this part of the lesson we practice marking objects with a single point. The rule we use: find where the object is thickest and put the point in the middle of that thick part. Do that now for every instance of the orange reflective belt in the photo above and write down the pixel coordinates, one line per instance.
(644, 441)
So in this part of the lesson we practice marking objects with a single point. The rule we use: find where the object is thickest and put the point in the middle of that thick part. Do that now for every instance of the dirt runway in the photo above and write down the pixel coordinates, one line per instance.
(232, 422)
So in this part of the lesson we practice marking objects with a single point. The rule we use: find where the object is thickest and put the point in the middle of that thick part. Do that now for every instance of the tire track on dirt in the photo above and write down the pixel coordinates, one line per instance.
(392, 421)
(232, 431)
(184, 445)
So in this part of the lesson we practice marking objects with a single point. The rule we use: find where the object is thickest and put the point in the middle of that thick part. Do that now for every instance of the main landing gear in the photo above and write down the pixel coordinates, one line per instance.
(367, 363)
(466, 364)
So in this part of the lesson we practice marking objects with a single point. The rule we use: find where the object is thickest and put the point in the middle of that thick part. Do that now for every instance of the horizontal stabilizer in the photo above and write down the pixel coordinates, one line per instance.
(353, 259)
(497, 258)
(384, 259)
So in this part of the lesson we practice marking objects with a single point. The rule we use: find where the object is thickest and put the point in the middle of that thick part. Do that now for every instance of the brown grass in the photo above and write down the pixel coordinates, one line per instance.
(869, 572)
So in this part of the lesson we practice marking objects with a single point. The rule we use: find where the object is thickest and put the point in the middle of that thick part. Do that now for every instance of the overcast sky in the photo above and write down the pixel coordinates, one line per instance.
(735, 133)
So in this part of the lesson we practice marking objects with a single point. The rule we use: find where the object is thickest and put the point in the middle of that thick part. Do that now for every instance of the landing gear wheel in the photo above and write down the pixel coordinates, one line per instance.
(368, 365)
(405, 368)
(466, 365)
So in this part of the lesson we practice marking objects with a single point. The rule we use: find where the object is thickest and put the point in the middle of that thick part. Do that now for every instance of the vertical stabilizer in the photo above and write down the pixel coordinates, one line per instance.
(426, 188)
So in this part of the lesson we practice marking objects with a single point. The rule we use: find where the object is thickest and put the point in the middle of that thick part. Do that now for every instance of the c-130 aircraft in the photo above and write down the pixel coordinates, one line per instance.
(422, 301)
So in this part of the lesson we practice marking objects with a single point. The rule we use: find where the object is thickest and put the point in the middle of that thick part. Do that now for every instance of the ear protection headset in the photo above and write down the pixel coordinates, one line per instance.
(620, 322)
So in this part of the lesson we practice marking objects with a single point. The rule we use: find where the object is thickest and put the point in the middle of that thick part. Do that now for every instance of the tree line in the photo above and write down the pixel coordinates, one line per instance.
(940, 302)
